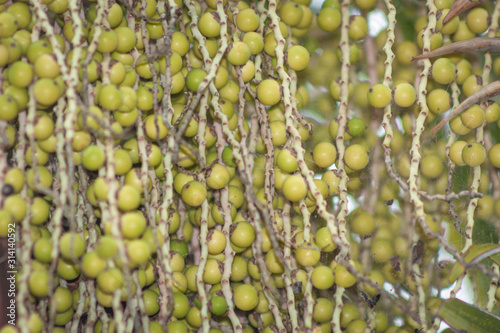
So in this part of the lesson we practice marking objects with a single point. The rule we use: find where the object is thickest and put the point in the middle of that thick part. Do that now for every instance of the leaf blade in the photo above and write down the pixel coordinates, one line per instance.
(461, 316)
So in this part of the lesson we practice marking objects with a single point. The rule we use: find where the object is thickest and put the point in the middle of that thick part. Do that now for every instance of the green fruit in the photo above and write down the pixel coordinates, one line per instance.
(379, 95)
(72, 246)
(294, 188)
(93, 158)
(404, 95)
(474, 154)
(194, 78)
(356, 157)
(269, 92)
(322, 277)
(246, 297)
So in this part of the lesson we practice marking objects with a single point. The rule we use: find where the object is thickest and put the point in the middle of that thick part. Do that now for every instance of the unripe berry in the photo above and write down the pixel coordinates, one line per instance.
(379, 95)
(404, 95)
(474, 154)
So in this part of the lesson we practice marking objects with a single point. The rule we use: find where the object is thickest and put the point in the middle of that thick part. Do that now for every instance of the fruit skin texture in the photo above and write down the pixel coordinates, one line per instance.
(438, 101)
(343, 278)
(431, 166)
(329, 19)
(478, 20)
(194, 193)
(473, 117)
(219, 177)
(379, 95)
(324, 154)
(297, 57)
(39, 283)
(72, 246)
(20, 74)
(322, 277)
(269, 92)
(324, 240)
(246, 297)
(494, 155)
(239, 54)
(243, 234)
(208, 25)
(474, 154)
(443, 71)
(247, 20)
(294, 188)
(9, 108)
(194, 78)
(323, 310)
(404, 95)
(307, 254)
(456, 152)
(356, 157)
(93, 158)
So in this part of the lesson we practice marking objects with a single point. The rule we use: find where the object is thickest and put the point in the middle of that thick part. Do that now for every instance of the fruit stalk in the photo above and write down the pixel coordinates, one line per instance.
(415, 157)
(229, 252)
(163, 264)
(287, 255)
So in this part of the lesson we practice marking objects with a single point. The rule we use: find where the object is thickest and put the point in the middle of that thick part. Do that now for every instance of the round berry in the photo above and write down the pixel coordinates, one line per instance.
(93, 158)
(9, 108)
(456, 152)
(324, 240)
(356, 126)
(110, 97)
(439, 101)
(323, 310)
(238, 54)
(379, 95)
(46, 91)
(474, 154)
(269, 92)
(209, 25)
(478, 20)
(297, 57)
(324, 154)
(329, 19)
(473, 117)
(286, 160)
(358, 27)
(242, 234)
(246, 297)
(194, 78)
(295, 188)
(343, 278)
(291, 13)
(322, 277)
(247, 20)
(194, 193)
(494, 155)
(356, 157)
(431, 166)
(404, 95)
(443, 71)
(20, 74)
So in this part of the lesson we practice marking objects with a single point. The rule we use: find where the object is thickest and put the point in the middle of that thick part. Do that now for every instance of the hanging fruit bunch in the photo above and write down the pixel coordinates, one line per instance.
(249, 166)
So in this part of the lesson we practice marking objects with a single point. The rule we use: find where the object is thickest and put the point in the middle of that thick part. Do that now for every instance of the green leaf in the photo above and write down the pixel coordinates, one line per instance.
(463, 317)
(484, 232)
(495, 132)
(476, 253)
(459, 179)
(481, 285)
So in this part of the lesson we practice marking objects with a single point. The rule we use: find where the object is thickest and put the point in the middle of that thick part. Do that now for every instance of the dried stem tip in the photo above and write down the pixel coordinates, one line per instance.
(459, 7)
(486, 92)
(478, 44)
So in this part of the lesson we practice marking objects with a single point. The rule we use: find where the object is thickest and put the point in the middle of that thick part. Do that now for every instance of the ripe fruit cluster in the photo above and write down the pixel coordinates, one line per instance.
(176, 166)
